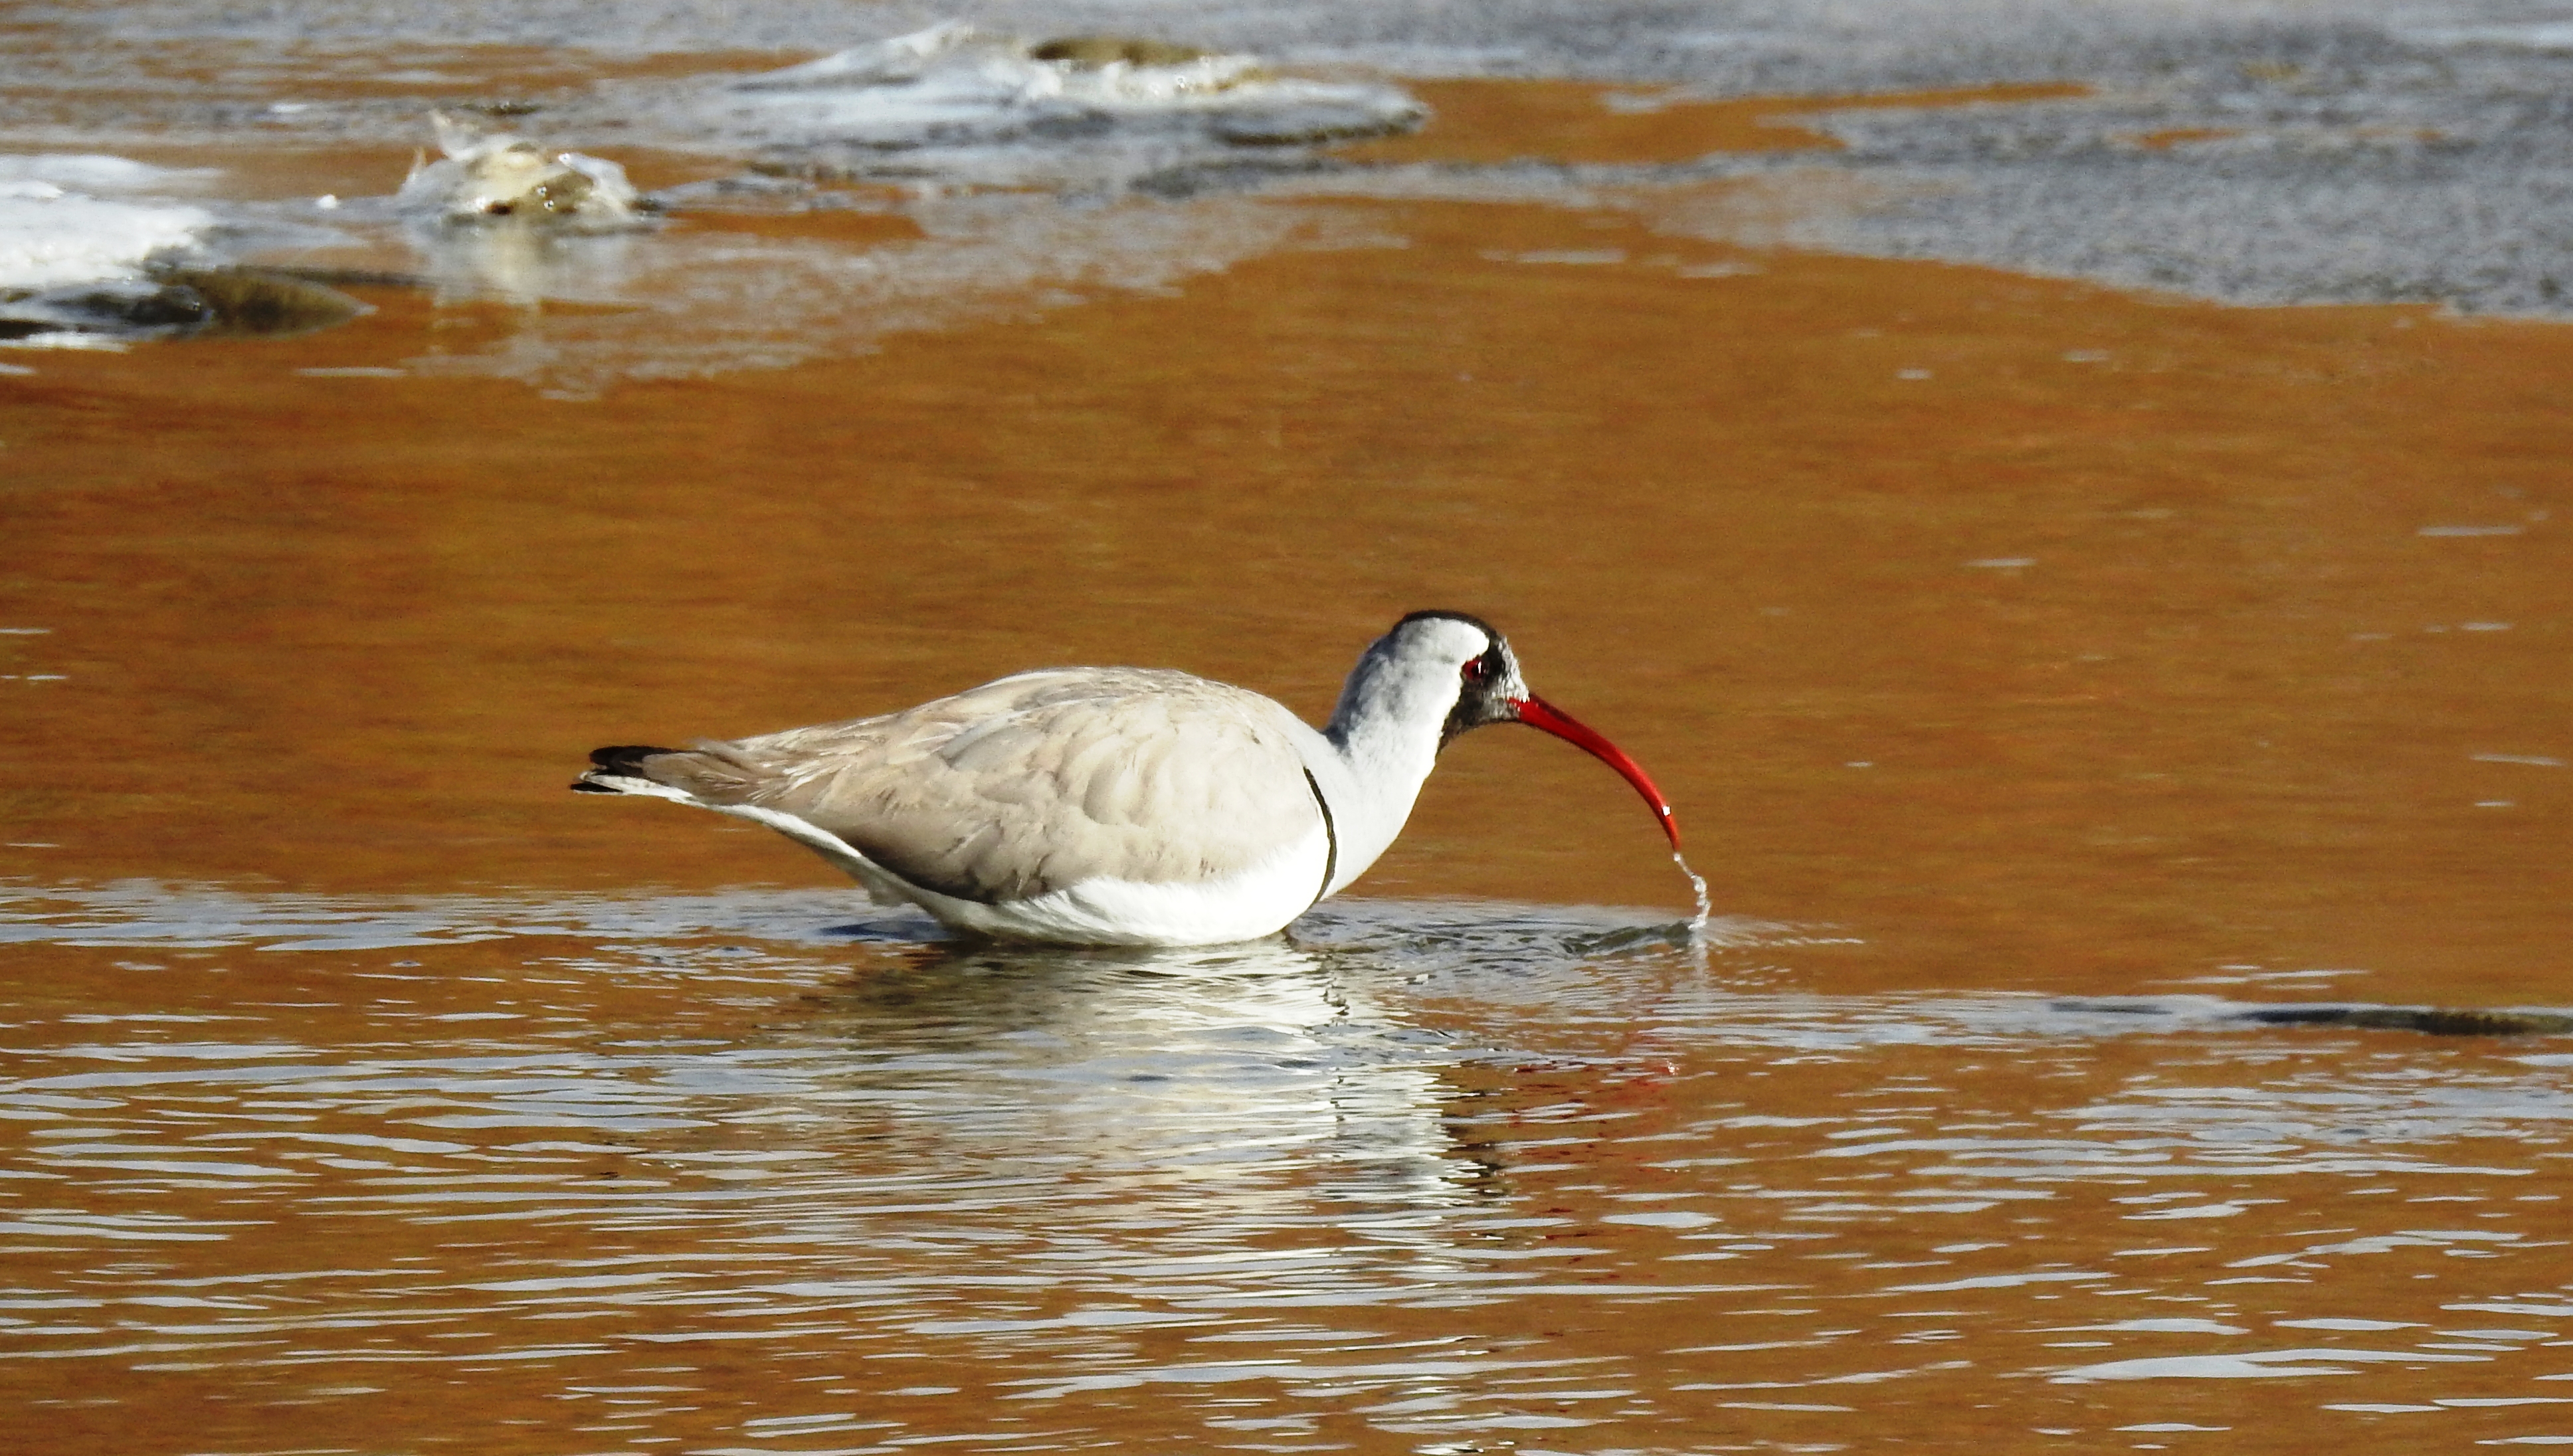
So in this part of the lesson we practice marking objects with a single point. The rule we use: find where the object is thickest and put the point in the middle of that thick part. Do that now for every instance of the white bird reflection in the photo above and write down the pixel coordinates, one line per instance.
(1243, 1072)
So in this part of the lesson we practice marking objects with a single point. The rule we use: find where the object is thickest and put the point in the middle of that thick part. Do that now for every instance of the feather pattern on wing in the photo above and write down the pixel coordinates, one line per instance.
(1035, 783)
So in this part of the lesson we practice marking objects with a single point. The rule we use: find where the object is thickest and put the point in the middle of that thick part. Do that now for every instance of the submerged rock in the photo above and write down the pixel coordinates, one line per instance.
(503, 178)
(2436, 1020)
(94, 249)
(251, 301)
(180, 301)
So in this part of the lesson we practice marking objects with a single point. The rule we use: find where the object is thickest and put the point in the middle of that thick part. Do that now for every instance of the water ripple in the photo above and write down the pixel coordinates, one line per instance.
(614, 1151)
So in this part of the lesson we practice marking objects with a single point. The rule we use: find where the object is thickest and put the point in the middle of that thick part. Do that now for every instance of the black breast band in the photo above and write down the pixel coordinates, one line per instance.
(1332, 838)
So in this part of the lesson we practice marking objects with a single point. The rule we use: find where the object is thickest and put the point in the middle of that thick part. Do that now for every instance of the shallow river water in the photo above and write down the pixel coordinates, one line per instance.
(2061, 688)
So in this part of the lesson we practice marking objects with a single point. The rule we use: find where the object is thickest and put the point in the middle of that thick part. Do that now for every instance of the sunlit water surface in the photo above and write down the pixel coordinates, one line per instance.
(2051, 682)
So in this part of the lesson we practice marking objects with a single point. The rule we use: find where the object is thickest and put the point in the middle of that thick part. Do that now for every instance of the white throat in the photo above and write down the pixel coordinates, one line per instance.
(1381, 766)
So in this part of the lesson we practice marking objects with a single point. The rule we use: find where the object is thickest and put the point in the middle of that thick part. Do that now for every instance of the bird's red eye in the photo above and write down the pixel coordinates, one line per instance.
(1476, 669)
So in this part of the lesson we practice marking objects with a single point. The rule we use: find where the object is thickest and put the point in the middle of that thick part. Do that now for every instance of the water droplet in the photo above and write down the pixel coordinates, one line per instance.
(1705, 906)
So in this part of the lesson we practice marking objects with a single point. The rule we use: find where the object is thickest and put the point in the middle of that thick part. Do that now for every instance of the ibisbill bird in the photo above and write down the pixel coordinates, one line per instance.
(1120, 806)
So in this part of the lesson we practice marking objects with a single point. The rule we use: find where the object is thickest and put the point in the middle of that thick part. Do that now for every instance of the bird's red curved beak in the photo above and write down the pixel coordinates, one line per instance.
(1538, 713)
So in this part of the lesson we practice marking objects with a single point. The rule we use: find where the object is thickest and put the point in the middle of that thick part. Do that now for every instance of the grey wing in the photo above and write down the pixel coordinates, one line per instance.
(1038, 781)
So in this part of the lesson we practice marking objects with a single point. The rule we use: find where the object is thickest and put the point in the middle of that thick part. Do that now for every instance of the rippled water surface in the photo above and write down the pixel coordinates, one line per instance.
(2124, 738)
(730, 1173)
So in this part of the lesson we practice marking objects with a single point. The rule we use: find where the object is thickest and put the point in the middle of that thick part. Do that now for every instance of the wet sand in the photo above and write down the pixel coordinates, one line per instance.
(1992, 635)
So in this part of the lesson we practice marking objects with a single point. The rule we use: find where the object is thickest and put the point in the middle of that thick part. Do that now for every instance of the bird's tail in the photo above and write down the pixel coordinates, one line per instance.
(624, 769)
(716, 774)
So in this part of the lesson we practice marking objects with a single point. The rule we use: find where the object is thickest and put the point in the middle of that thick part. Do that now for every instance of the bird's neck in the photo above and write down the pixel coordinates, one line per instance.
(1386, 749)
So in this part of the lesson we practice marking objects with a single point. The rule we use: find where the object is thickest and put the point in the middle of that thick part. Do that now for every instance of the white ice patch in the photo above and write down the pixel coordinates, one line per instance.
(93, 172)
(54, 235)
(951, 78)
(938, 101)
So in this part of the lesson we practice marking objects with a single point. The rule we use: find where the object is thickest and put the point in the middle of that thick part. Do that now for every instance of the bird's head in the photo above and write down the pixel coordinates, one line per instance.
(1461, 668)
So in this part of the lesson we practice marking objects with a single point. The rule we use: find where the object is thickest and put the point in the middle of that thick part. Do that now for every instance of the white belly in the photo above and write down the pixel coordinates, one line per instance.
(1259, 901)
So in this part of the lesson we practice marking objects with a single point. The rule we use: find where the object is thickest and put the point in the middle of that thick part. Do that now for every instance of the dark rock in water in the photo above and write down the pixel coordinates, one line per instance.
(2436, 1020)
(2439, 1022)
(256, 301)
(181, 301)
(111, 306)
(171, 305)
(1092, 52)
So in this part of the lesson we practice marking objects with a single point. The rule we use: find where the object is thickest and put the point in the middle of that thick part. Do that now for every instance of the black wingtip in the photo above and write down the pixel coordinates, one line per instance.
(625, 758)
